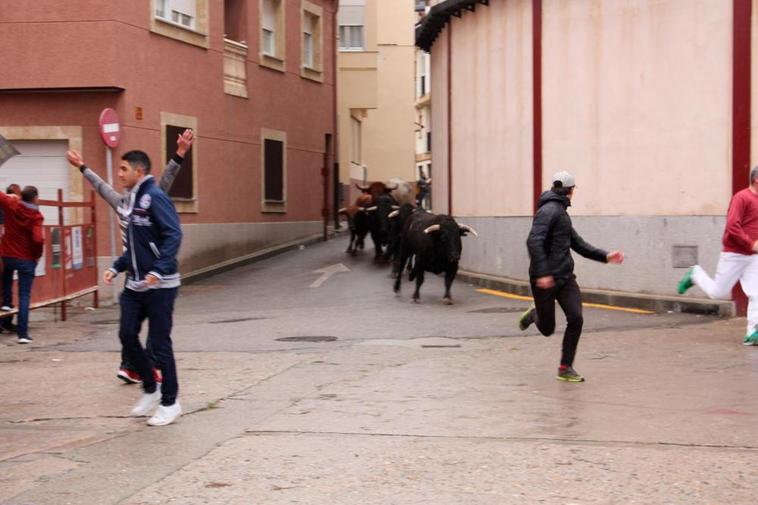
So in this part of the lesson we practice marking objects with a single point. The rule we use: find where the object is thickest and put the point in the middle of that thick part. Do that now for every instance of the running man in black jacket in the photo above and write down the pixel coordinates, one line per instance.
(551, 270)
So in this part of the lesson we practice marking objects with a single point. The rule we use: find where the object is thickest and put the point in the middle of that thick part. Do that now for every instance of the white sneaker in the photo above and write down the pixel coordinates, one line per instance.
(166, 415)
(147, 403)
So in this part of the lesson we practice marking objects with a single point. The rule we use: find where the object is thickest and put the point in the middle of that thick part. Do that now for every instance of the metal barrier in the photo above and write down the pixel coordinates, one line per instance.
(68, 266)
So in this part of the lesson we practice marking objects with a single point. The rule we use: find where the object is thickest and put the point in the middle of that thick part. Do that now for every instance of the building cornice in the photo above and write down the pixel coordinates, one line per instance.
(83, 89)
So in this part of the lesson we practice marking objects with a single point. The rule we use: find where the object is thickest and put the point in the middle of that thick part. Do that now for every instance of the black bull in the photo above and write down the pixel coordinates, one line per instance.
(435, 240)
(378, 214)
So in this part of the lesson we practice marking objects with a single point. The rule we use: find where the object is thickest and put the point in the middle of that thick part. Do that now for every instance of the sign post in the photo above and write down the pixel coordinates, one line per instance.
(110, 132)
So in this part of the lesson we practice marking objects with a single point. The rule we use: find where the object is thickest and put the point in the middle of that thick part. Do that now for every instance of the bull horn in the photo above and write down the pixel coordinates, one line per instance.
(469, 229)
(343, 210)
(362, 188)
(371, 209)
(391, 187)
(434, 227)
(395, 207)
(394, 213)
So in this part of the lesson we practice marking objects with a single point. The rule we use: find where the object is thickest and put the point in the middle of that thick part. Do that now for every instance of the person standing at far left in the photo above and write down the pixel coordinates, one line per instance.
(21, 249)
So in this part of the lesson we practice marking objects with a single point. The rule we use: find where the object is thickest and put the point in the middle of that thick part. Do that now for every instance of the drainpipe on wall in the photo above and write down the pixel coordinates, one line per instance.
(536, 101)
(741, 70)
(450, 118)
(335, 126)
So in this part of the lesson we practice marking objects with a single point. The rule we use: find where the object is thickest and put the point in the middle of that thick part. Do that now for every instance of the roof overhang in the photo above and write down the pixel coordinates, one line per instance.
(439, 15)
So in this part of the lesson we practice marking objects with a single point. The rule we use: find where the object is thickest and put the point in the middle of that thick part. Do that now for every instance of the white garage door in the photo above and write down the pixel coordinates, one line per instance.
(42, 163)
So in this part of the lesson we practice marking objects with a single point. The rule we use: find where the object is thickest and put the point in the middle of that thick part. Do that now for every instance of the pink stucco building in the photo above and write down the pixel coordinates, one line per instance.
(652, 104)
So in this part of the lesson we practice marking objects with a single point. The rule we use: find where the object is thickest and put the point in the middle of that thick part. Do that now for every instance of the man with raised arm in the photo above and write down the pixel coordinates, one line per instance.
(153, 238)
(120, 203)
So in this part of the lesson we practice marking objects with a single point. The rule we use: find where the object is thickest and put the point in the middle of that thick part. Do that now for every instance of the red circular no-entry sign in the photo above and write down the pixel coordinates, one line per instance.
(110, 129)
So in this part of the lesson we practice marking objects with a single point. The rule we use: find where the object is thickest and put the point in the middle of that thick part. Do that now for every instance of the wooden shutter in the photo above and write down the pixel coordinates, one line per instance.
(274, 170)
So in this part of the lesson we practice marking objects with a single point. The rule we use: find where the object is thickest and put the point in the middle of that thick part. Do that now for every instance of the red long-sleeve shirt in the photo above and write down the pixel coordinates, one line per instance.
(23, 237)
(741, 230)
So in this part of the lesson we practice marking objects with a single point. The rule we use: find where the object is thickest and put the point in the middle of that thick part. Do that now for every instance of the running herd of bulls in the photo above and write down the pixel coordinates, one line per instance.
(405, 234)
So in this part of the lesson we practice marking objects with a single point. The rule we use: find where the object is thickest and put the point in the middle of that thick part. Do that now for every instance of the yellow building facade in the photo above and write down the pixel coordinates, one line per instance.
(376, 98)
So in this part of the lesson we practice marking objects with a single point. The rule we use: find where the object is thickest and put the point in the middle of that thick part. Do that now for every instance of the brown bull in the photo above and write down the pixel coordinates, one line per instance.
(379, 222)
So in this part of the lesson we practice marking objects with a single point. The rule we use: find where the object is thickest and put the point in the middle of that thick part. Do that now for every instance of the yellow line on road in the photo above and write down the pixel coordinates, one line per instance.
(503, 294)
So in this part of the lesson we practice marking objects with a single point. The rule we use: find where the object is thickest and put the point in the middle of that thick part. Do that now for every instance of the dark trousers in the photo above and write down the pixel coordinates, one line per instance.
(125, 363)
(566, 293)
(25, 269)
(157, 306)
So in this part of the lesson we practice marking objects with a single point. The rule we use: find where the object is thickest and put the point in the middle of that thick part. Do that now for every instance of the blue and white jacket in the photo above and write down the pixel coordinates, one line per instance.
(153, 237)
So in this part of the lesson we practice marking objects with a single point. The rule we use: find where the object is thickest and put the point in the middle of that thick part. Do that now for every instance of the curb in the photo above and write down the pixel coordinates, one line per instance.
(254, 257)
(655, 303)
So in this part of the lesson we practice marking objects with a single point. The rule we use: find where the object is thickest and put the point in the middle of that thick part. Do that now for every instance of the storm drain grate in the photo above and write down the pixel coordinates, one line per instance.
(497, 310)
(439, 346)
(240, 320)
(306, 339)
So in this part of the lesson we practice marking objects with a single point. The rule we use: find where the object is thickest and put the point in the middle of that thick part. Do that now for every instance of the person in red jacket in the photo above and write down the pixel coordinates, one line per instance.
(6, 323)
(21, 248)
(738, 260)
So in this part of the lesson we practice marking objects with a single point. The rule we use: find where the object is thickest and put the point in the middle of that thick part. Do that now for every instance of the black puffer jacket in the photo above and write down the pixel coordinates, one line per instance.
(551, 237)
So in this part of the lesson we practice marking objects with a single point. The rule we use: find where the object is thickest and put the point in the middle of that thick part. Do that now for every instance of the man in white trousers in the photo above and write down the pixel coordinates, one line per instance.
(738, 260)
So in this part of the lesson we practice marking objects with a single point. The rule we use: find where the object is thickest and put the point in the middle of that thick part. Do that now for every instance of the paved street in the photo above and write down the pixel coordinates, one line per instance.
(325, 388)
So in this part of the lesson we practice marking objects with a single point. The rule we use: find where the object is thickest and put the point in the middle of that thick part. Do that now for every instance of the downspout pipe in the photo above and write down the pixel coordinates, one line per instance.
(335, 124)
(536, 102)
(741, 103)
(450, 118)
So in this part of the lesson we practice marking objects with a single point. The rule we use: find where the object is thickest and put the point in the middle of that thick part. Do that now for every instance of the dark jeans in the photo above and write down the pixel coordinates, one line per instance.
(566, 293)
(157, 305)
(25, 269)
(125, 363)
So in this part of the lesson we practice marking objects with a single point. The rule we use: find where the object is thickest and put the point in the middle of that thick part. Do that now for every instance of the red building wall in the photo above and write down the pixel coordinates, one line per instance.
(106, 51)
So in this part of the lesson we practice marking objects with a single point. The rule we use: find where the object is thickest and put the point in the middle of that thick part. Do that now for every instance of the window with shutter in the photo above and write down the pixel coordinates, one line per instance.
(179, 12)
(351, 19)
(273, 171)
(308, 33)
(312, 41)
(268, 26)
(274, 165)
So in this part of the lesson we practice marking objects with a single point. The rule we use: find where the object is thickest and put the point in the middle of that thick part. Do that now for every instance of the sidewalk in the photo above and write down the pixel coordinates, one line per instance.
(666, 416)
(655, 303)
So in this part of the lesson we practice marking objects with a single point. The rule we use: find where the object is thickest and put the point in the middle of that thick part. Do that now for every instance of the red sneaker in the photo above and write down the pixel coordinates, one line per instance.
(129, 376)
(157, 374)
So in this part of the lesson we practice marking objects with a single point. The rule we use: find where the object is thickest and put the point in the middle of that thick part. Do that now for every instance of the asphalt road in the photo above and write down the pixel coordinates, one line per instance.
(253, 308)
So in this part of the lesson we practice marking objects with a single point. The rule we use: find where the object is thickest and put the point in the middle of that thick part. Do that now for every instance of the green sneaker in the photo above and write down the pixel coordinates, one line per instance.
(568, 374)
(526, 318)
(686, 282)
(751, 339)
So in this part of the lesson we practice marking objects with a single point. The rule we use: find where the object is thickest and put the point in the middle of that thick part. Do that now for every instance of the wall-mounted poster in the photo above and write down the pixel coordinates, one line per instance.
(56, 248)
(76, 244)
(67, 260)
(40, 271)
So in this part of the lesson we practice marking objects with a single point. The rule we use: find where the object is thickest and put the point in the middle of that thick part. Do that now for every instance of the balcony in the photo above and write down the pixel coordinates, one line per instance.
(235, 68)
